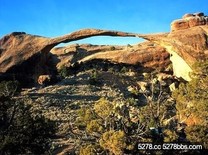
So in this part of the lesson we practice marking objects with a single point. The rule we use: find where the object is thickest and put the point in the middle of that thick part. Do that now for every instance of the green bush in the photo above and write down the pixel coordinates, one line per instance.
(170, 136)
(124, 70)
(63, 71)
(84, 116)
(20, 131)
(197, 134)
(191, 104)
(89, 149)
(103, 108)
(95, 126)
(94, 78)
(108, 122)
(112, 48)
(114, 141)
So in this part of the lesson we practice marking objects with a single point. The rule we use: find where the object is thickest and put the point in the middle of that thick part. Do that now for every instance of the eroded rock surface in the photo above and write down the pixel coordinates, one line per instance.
(186, 47)
(189, 20)
(21, 52)
(19, 46)
(32, 55)
(146, 54)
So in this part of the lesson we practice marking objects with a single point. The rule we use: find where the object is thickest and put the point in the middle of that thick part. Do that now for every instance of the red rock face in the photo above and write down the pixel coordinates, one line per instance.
(18, 47)
(188, 21)
(21, 53)
(180, 25)
(146, 54)
(32, 55)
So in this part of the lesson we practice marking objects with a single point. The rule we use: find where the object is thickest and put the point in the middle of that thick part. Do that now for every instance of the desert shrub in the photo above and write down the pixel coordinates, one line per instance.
(87, 150)
(197, 134)
(95, 126)
(64, 71)
(111, 70)
(103, 108)
(108, 122)
(132, 101)
(84, 116)
(94, 78)
(169, 68)
(9, 88)
(134, 91)
(124, 70)
(170, 136)
(90, 149)
(114, 141)
(191, 103)
(20, 131)
(115, 124)
(129, 46)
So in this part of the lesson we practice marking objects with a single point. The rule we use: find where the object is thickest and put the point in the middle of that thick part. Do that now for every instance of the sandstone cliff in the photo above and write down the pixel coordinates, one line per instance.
(186, 47)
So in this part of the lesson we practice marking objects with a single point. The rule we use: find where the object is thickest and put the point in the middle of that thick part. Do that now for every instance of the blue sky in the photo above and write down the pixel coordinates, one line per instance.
(52, 18)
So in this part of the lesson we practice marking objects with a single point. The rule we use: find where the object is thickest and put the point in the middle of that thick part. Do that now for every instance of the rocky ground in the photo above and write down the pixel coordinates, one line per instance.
(59, 102)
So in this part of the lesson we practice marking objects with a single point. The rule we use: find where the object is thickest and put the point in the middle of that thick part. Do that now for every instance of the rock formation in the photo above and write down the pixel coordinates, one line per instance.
(186, 45)
(146, 54)
(18, 47)
(27, 56)
(33, 55)
(22, 53)
(188, 21)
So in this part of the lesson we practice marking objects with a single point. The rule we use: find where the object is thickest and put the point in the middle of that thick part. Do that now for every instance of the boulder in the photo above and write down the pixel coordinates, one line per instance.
(164, 76)
(44, 79)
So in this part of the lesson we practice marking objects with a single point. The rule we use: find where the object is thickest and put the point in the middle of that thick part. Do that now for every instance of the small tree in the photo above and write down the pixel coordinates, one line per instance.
(170, 136)
(197, 134)
(20, 131)
(112, 120)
